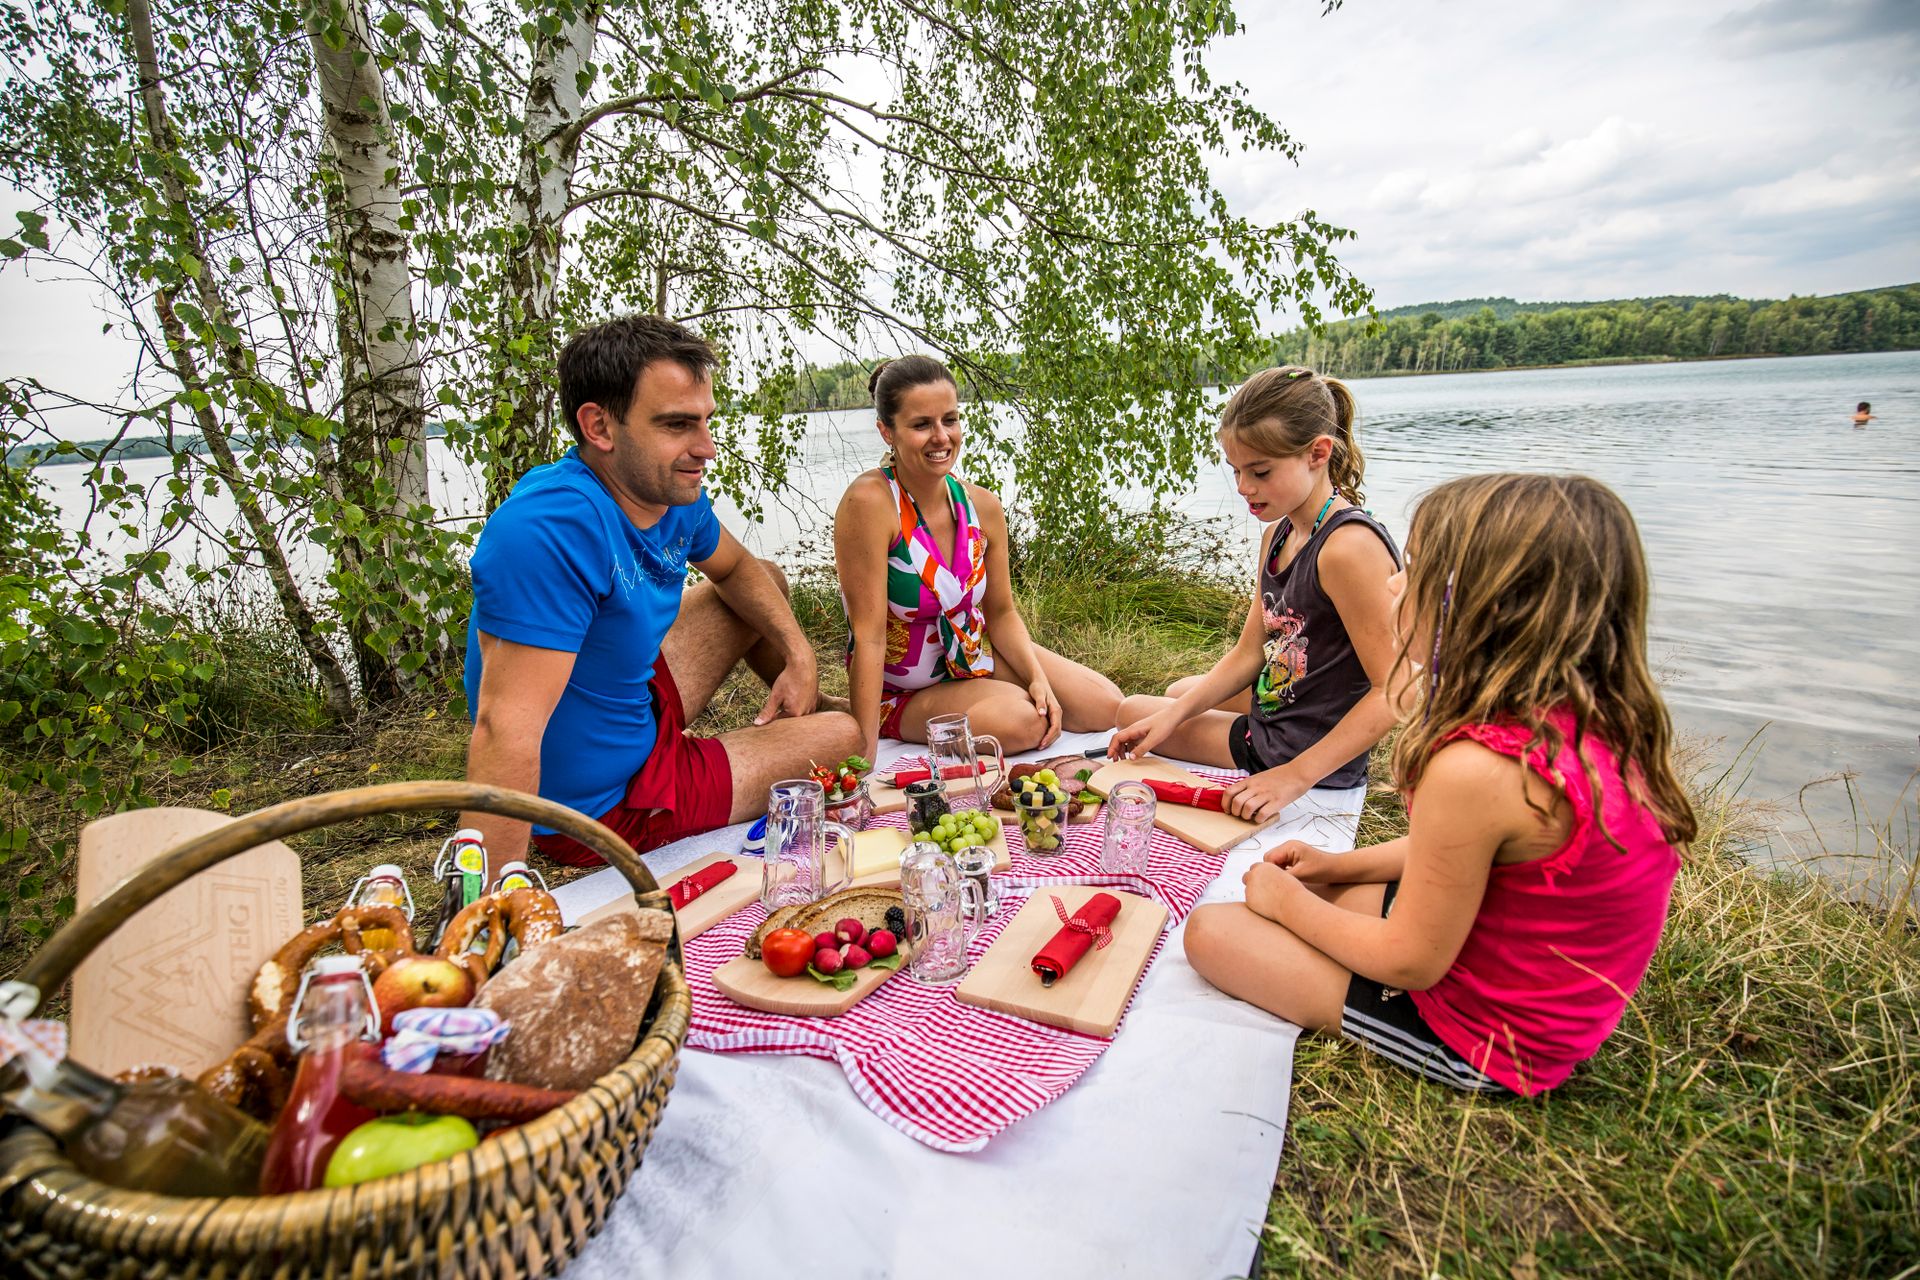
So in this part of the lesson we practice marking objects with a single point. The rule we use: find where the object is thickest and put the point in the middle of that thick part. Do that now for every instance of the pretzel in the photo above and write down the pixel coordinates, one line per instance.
(257, 1076)
(274, 987)
(528, 916)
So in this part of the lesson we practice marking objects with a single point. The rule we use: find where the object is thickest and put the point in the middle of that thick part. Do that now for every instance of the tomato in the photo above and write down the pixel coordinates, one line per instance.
(849, 783)
(787, 952)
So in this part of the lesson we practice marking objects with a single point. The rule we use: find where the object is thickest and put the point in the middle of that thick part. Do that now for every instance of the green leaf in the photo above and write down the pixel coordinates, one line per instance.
(841, 981)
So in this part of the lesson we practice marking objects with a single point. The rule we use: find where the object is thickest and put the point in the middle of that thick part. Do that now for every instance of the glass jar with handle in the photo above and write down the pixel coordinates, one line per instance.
(954, 753)
(942, 907)
(793, 868)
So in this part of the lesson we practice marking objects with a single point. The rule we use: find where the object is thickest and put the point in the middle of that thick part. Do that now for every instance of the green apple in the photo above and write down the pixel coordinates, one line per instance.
(394, 1144)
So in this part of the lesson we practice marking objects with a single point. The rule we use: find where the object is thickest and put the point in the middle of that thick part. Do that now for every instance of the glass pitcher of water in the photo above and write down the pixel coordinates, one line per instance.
(793, 869)
(954, 752)
(943, 905)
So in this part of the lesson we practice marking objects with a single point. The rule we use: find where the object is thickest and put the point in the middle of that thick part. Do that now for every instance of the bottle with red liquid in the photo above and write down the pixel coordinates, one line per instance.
(333, 1020)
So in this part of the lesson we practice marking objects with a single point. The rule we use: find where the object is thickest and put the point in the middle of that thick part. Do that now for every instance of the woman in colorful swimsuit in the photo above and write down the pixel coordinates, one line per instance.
(922, 555)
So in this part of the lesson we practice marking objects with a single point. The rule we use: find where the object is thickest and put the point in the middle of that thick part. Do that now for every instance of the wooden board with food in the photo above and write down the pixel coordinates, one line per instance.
(888, 793)
(877, 850)
(1091, 994)
(1208, 830)
(820, 959)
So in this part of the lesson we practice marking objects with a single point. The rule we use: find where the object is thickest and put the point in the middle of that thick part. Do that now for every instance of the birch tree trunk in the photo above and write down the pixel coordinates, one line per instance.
(335, 689)
(382, 459)
(541, 192)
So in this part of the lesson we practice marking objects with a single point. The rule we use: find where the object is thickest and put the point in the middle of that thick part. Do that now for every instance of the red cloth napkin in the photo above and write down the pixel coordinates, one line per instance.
(687, 888)
(907, 777)
(1086, 928)
(1181, 793)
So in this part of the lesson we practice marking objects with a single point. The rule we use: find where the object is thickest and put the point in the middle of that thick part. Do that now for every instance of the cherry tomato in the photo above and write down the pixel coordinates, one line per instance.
(787, 951)
(848, 782)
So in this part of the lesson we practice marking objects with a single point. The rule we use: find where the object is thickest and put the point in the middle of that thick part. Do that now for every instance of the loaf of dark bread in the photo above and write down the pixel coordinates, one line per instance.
(868, 906)
(575, 1003)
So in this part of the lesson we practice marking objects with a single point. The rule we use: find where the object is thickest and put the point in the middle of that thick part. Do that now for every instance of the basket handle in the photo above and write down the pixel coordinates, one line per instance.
(55, 962)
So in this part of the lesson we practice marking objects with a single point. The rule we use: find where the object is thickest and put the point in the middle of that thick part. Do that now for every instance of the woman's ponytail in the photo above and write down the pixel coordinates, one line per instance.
(1347, 467)
(887, 460)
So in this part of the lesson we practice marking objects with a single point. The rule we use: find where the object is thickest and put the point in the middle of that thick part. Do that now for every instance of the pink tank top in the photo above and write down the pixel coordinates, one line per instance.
(1561, 943)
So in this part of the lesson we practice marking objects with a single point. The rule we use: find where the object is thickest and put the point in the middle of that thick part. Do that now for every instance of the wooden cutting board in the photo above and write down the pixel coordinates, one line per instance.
(1093, 995)
(1204, 829)
(896, 840)
(751, 983)
(705, 911)
(170, 985)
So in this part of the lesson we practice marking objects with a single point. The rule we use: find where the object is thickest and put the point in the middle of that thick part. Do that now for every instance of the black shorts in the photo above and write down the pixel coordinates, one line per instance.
(1240, 744)
(1387, 1021)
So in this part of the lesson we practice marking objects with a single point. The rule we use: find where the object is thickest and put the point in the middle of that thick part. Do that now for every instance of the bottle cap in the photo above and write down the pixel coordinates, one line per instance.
(387, 871)
(469, 835)
(333, 966)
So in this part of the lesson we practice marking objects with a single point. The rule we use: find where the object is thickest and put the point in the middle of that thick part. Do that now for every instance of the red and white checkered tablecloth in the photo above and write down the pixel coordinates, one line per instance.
(947, 1074)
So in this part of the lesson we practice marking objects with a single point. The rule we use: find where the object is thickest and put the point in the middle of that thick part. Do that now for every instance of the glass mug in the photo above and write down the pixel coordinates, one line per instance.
(1129, 829)
(953, 753)
(975, 862)
(793, 869)
(942, 906)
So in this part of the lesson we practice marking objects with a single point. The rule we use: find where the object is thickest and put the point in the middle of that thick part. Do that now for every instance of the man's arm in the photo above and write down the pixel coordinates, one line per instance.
(519, 687)
(750, 591)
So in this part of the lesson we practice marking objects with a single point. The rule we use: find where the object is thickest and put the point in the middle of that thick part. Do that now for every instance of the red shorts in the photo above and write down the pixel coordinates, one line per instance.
(684, 787)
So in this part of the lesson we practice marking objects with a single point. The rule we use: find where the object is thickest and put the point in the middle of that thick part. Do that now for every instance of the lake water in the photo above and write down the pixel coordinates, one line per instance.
(1782, 540)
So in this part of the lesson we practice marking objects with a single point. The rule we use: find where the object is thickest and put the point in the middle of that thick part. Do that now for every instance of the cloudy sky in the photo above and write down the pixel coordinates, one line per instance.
(1541, 150)
(1549, 151)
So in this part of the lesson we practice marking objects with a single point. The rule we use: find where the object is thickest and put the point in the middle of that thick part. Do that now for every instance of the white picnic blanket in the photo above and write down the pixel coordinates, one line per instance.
(1157, 1163)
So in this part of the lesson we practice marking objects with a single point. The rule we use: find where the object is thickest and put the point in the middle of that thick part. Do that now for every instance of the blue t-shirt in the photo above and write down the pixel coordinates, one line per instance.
(560, 566)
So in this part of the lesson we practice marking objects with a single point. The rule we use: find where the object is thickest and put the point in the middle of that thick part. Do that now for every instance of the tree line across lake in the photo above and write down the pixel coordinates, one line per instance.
(1499, 333)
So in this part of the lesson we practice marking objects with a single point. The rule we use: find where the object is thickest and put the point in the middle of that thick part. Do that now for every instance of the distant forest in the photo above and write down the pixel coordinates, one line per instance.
(1500, 333)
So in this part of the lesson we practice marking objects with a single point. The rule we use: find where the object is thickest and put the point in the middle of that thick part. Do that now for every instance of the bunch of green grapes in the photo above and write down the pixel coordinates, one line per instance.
(955, 831)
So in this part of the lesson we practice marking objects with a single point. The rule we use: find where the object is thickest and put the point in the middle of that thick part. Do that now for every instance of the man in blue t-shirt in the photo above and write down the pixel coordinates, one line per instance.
(587, 653)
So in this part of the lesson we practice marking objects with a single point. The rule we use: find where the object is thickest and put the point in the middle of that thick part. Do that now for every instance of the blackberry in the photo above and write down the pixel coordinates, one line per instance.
(897, 921)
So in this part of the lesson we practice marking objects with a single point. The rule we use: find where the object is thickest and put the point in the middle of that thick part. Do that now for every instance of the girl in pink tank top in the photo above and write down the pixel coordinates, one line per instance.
(1495, 946)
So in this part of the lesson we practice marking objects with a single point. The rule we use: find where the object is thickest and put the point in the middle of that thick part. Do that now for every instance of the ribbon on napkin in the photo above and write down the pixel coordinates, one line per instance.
(1084, 929)
(687, 888)
(421, 1035)
(1181, 793)
(907, 777)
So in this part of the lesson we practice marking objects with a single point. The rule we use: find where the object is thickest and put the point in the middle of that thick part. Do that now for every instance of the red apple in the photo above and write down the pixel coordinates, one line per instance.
(420, 982)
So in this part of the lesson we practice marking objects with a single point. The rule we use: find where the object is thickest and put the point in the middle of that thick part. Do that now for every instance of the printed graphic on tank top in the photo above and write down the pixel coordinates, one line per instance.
(1312, 676)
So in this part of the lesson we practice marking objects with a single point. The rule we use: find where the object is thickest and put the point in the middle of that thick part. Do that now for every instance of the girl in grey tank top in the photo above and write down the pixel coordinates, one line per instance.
(1298, 702)
(1312, 675)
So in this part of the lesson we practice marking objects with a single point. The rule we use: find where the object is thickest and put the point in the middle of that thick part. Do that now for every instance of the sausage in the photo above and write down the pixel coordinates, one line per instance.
(378, 1087)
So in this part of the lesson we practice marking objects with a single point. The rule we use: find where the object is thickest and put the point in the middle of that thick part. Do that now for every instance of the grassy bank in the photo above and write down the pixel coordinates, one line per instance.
(1755, 1115)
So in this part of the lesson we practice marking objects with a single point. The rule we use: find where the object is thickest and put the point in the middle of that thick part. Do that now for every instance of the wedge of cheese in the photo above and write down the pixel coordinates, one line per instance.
(878, 849)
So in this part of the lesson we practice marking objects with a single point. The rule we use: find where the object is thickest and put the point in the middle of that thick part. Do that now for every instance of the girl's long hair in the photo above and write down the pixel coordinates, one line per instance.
(1280, 412)
(1536, 589)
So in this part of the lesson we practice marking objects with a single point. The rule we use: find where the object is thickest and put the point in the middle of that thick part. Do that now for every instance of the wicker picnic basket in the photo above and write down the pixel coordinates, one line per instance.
(520, 1205)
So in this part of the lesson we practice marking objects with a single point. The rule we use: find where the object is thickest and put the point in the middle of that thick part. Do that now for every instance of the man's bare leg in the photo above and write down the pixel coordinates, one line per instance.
(762, 755)
(708, 640)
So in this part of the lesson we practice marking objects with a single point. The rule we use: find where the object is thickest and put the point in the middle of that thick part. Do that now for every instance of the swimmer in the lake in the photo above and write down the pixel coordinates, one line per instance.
(1862, 414)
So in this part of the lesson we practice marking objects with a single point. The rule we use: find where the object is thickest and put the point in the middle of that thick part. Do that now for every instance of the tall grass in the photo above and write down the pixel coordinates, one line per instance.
(1754, 1115)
